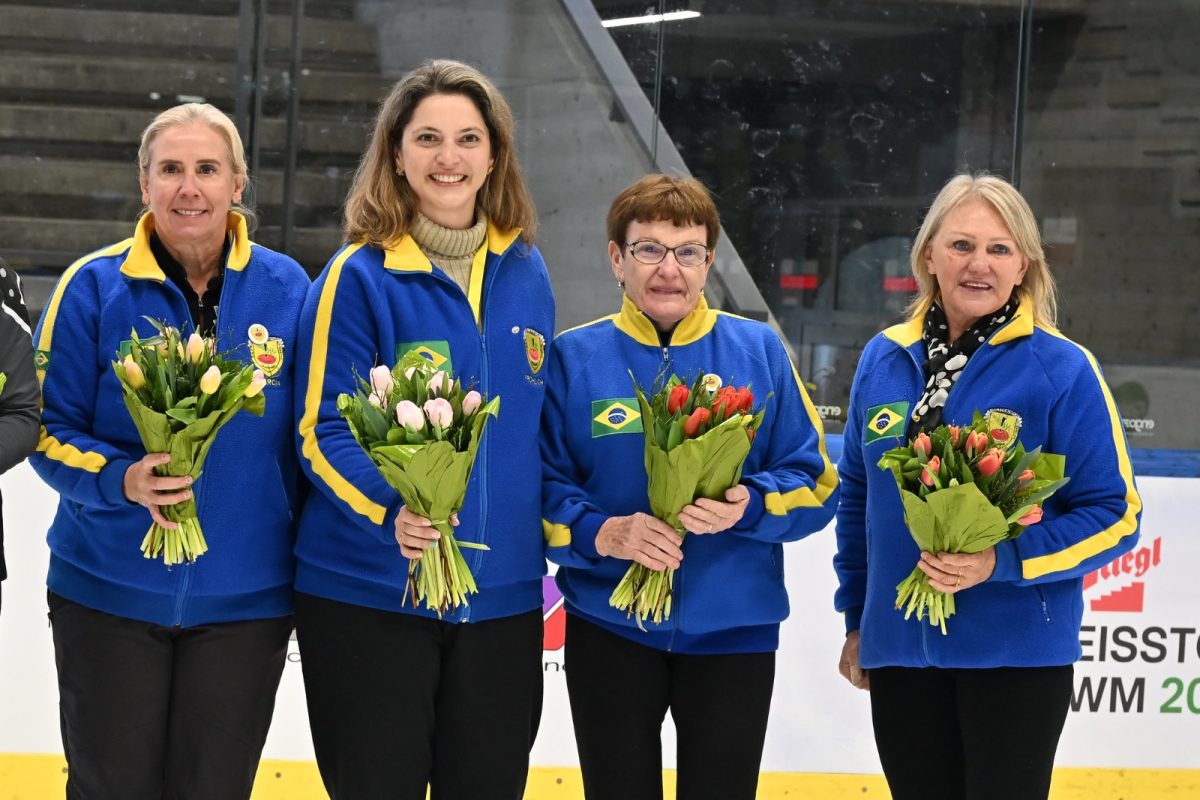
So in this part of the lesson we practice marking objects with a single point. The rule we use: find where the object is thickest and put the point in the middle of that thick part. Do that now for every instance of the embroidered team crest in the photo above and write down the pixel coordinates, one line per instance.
(436, 353)
(712, 383)
(266, 351)
(885, 421)
(1004, 424)
(535, 350)
(616, 415)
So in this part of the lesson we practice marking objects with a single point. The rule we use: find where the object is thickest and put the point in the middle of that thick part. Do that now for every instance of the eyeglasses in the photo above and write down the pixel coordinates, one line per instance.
(648, 251)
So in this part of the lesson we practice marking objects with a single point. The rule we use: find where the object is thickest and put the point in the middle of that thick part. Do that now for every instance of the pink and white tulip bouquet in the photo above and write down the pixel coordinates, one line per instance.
(963, 493)
(422, 430)
(179, 395)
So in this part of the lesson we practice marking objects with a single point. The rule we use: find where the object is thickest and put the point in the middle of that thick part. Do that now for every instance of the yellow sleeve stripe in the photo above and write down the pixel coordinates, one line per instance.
(556, 535)
(310, 447)
(780, 504)
(1097, 543)
(51, 314)
(69, 454)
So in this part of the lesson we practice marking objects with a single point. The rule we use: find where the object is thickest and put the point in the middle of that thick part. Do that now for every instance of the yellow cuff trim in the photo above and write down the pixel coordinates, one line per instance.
(556, 535)
(69, 454)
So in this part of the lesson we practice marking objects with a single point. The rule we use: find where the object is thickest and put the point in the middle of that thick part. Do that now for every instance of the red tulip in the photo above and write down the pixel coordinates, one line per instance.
(954, 431)
(1032, 518)
(921, 445)
(677, 398)
(930, 470)
(693, 423)
(989, 462)
(744, 399)
(725, 402)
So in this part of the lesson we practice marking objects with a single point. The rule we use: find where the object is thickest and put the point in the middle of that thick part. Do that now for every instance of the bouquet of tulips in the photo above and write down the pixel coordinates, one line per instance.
(962, 493)
(697, 438)
(179, 395)
(422, 430)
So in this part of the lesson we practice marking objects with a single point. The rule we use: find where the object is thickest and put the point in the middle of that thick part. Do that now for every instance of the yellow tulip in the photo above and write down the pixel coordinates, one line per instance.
(210, 381)
(133, 373)
(195, 348)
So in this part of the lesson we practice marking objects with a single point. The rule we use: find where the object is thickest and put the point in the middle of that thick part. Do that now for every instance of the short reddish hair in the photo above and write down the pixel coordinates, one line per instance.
(680, 201)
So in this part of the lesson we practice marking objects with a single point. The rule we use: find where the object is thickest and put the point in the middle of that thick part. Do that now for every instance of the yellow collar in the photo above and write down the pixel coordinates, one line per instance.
(910, 332)
(140, 262)
(692, 327)
(406, 256)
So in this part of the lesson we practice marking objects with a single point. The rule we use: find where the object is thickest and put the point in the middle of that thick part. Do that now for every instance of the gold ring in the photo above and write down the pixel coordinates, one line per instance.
(958, 582)
(710, 527)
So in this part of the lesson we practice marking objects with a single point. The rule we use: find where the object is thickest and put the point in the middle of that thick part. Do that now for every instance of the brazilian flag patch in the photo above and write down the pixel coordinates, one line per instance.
(616, 415)
(437, 352)
(41, 359)
(885, 421)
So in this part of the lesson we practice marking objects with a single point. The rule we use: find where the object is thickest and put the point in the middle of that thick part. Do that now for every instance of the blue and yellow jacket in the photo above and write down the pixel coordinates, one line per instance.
(246, 492)
(729, 593)
(1048, 391)
(371, 306)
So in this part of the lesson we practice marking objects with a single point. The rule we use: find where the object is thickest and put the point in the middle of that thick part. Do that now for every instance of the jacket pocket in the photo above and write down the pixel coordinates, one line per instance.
(1041, 596)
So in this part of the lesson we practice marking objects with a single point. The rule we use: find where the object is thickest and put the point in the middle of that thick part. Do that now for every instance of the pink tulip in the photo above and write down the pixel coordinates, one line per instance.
(989, 462)
(1027, 475)
(439, 412)
(954, 432)
(921, 445)
(408, 415)
(930, 470)
(976, 442)
(409, 372)
(257, 382)
(439, 383)
(1032, 518)
(471, 402)
(381, 382)
(374, 400)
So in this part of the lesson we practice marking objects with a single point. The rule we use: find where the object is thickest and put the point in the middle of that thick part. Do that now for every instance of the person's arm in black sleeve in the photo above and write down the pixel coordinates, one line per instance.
(19, 397)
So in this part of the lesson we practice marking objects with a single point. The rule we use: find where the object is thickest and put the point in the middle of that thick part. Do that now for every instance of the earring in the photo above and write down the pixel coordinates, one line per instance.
(400, 171)
(620, 284)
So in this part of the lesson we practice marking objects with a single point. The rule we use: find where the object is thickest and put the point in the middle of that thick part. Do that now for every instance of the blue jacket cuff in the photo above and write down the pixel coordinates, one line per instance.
(583, 533)
(754, 511)
(853, 618)
(111, 482)
(1008, 562)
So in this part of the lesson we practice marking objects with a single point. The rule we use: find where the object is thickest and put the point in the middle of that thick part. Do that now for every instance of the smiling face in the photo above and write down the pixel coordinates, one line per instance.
(445, 155)
(665, 292)
(975, 261)
(190, 185)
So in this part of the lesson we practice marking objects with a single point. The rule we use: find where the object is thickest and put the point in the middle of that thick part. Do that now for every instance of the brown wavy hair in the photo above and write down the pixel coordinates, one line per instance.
(381, 206)
(681, 201)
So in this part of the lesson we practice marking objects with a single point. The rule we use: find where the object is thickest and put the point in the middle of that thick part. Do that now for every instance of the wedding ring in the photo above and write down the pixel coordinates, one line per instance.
(710, 527)
(958, 582)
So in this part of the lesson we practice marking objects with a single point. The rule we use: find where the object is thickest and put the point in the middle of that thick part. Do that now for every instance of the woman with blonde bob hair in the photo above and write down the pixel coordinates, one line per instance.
(993, 691)
(167, 676)
(439, 261)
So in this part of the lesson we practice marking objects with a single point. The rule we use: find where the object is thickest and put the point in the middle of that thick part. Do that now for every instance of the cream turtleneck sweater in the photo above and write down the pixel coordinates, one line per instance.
(451, 249)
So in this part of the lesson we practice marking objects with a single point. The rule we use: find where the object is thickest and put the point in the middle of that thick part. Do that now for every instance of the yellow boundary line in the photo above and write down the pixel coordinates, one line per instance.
(38, 777)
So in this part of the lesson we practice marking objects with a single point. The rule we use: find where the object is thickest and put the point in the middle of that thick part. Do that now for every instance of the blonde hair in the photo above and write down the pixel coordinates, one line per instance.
(681, 201)
(381, 206)
(213, 117)
(1037, 286)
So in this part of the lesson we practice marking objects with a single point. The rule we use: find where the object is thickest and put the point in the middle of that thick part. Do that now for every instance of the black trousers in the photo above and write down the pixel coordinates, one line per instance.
(398, 702)
(150, 712)
(620, 692)
(969, 734)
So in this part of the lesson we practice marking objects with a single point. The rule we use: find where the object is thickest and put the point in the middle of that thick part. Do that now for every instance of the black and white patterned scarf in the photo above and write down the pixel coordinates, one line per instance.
(944, 361)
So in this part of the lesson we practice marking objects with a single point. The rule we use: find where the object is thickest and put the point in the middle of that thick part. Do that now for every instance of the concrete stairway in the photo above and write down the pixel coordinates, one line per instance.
(78, 86)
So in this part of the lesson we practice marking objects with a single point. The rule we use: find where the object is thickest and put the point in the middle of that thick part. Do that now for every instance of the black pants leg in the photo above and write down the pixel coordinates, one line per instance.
(154, 712)
(991, 733)
(620, 692)
(720, 704)
(397, 703)
(222, 698)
